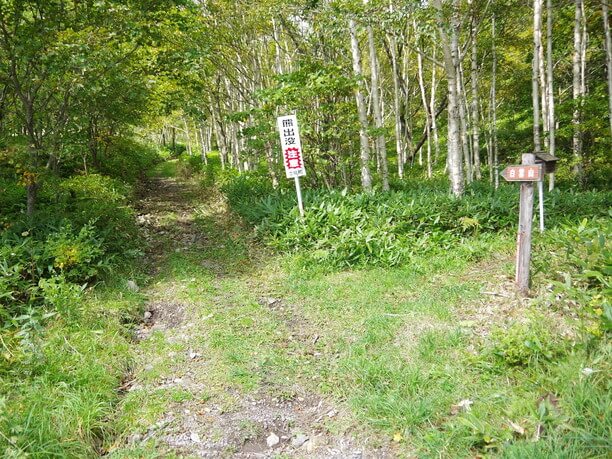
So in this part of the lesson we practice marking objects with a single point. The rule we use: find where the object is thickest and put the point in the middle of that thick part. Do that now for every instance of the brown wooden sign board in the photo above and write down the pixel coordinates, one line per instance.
(524, 173)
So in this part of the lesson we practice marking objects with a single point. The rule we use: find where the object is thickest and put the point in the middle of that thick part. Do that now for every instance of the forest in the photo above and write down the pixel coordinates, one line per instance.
(163, 295)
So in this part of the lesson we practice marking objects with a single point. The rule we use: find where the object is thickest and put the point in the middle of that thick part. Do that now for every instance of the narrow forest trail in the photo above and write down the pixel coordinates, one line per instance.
(222, 360)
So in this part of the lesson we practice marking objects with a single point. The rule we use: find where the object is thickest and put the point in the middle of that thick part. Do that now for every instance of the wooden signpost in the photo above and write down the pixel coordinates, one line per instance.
(527, 173)
(292, 153)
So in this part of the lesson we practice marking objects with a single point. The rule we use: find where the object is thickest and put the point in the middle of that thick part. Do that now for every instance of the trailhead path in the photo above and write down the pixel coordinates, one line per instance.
(225, 366)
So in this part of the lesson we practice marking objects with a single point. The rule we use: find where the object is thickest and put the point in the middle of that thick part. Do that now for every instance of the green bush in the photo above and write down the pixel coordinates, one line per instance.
(76, 255)
(82, 224)
(577, 260)
(189, 165)
(128, 160)
(105, 202)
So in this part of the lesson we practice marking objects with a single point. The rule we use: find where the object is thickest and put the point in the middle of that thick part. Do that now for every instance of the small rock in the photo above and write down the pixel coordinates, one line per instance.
(332, 413)
(195, 438)
(299, 440)
(272, 440)
(462, 407)
(148, 315)
(194, 355)
(135, 438)
(310, 445)
(132, 286)
(272, 301)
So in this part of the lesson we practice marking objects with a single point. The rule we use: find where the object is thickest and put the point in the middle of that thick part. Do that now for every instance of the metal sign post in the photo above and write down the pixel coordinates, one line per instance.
(541, 203)
(292, 153)
(298, 191)
(527, 173)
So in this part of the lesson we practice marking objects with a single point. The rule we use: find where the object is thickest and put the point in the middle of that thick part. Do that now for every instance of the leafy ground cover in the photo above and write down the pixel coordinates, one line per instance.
(341, 229)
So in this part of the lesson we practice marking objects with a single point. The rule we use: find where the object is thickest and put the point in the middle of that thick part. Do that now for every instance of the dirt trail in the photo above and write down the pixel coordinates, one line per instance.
(202, 414)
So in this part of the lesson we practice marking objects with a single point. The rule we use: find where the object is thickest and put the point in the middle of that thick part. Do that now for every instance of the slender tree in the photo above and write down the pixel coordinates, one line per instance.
(608, 41)
(450, 47)
(366, 176)
(535, 72)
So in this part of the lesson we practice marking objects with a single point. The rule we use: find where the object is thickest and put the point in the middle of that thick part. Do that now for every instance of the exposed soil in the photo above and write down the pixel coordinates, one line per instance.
(261, 424)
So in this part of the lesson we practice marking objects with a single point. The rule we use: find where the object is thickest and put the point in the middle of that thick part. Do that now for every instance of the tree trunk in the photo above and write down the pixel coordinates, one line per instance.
(188, 139)
(608, 41)
(475, 114)
(205, 143)
(550, 89)
(221, 139)
(397, 107)
(378, 116)
(465, 144)
(494, 107)
(432, 109)
(32, 195)
(535, 70)
(366, 176)
(451, 63)
(428, 116)
(543, 85)
(577, 90)
(278, 62)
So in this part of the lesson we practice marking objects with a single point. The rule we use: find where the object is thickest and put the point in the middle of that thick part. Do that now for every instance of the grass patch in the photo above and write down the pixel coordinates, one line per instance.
(57, 401)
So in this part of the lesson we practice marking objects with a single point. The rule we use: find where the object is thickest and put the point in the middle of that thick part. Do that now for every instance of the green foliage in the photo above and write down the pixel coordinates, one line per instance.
(128, 160)
(85, 224)
(342, 229)
(525, 343)
(76, 255)
(189, 165)
(580, 257)
(104, 202)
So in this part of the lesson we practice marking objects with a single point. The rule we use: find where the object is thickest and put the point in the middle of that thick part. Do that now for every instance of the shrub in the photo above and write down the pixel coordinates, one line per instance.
(77, 255)
(104, 202)
(578, 261)
(525, 343)
(189, 165)
(128, 160)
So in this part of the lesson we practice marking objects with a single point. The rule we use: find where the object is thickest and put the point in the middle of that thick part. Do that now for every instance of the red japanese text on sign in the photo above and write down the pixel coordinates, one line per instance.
(291, 146)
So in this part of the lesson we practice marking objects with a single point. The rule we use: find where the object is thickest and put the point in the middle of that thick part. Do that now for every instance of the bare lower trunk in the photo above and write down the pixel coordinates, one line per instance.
(608, 41)
(366, 176)
(428, 116)
(381, 146)
(451, 63)
(475, 113)
(494, 108)
(204, 143)
(535, 70)
(32, 195)
(188, 138)
(397, 107)
(577, 90)
(543, 86)
(465, 144)
(550, 87)
(432, 110)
